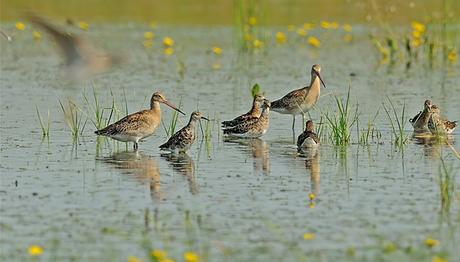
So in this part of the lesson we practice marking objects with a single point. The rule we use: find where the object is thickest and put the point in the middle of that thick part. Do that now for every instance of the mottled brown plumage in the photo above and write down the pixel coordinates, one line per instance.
(183, 139)
(301, 100)
(139, 125)
(308, 138)
(254, 113)
(420, 121)
(253, 127)
(438, 125)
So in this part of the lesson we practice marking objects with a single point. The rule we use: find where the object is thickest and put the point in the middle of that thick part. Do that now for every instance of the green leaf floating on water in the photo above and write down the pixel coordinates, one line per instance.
(255, 90)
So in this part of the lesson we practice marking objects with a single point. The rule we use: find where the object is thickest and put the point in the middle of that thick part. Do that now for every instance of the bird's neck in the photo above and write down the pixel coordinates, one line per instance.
(315, 83)
(265, 112)
(255, 110)
(192, 123)
(155, 107)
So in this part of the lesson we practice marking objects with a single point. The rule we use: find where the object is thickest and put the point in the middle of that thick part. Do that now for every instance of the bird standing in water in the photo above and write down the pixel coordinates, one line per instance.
(301, 100)
(308, 138)
(183, 139)
(252, 128)
(139, 125)
(420, 120)
(254, 113)
(439, 125)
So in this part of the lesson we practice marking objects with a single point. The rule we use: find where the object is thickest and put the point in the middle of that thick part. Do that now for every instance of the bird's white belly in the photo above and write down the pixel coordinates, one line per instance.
(309, 142)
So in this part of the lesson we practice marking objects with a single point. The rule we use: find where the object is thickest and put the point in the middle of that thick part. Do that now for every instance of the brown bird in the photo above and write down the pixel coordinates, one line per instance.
(420, 121)
(252, 128)
(81, 58)
(254, 113)
(439, 125)
(183, 139)
(139, 125)
(308, 138)
(301, 100)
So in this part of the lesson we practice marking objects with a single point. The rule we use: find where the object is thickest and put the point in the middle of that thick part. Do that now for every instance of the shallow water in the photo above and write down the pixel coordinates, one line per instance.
(226, 200)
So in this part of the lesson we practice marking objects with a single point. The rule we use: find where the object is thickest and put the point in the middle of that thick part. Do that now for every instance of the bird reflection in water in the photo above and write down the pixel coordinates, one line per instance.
(433, 144)
(260, 152)
(184, 165)
(312, 164)
(145, 170)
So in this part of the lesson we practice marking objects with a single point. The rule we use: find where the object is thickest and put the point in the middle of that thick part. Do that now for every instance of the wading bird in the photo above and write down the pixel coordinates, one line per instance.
(254, 113)
(252, 128)
(308, 138)
(183, 139)
(301, 100)
(420, 121)
(139, 125)
(439, 125)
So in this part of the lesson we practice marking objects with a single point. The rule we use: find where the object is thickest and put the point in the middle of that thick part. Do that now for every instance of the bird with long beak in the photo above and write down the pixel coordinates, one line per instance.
(254, 113)
(420, 121)
(308, 139)
(183, 139)
(301, 100)
(439, 125)
(139, 125)
(81, 59)
(252, 128)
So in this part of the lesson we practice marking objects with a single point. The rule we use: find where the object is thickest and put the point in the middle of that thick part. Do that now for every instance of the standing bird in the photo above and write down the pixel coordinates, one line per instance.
(139, 125)
(439, 125)
(81, 58)
(301, 100)
(252, 128)
(254, 113)
(183, 139)
(420, 121)
(308, 138)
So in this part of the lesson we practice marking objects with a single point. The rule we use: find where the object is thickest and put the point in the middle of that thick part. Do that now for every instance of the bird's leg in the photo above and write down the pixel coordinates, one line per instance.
(136, 146)
(303, 120)
(293, 130)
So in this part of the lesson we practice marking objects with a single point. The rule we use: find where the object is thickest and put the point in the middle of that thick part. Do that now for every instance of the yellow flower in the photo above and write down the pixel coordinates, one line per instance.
(347, 28)
(191, 257)
(147, 43)
(418, 26)
(133, 259)
(83, 25)
(311, 205)
(313, 41)
(291, 28)
(308, 236)
(20, 26)
(148, 35)
(325, 24)
(257, 43)
(153, 24)
(389, 248)
(168, 41)
(311, 196)
(347, 38)
(452, 56)
(158, 254)
(252, 21)
(438, 259)
(308, 26)
(334, 25)
(280, 37)
(301, 32)
(35, 250)
(247, 37)
(430, 242)
(416, 34)
(37, 35)
(217, 50)
(416, 42)
(169, 51)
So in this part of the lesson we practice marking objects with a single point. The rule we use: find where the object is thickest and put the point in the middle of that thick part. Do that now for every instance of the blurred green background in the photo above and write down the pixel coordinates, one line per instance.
(223, 12)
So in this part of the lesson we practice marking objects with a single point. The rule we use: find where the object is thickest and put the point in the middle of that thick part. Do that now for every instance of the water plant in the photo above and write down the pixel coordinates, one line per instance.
(73, 118)
(173, 123)
(342, 121)
(397, 122)
(446, 186)
(45, 127)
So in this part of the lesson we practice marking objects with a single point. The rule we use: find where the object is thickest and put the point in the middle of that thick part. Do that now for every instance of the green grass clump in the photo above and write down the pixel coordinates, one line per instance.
(73, 118)
(446, 186)
(342, 121)
(397, 122)
(44, 126)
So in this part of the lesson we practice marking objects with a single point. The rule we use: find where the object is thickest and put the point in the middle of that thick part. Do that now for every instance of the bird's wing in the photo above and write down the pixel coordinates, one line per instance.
(126, 125)
(291, 100)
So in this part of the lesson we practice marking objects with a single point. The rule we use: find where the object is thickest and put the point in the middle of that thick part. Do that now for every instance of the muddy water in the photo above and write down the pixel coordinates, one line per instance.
(226, 200)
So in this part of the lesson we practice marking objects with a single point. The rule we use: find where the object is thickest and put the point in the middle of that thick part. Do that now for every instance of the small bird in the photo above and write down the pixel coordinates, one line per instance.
(139, 125)
(254, 113)
(301, 100)
(420, 121)
(308, 138)
(252, 128)
(438, 125)
(81, 58)
(183, 139)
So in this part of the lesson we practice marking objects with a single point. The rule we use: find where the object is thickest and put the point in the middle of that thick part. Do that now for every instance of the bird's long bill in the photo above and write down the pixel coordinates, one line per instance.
(205, 118)
(322, 82)
(173, 107)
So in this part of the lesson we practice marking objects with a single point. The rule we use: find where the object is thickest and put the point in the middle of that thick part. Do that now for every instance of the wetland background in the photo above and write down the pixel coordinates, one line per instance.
(371, 191)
